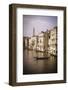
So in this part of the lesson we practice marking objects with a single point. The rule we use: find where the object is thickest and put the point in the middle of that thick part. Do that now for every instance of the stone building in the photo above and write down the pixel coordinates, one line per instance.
(42, 41)
(33, 42)
(52, 41)
(25, 42)
(39, 42)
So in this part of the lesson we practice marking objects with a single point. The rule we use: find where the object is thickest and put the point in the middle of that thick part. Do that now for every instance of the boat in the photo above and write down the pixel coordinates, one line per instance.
(40, 58)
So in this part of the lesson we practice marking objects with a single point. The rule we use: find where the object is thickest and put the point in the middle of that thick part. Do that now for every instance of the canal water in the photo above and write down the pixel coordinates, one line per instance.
(32, 65)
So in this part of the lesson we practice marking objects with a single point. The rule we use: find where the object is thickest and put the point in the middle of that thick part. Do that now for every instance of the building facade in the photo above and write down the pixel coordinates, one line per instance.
(33, 42)
(44, 41)
(25, 42)
(52, 41)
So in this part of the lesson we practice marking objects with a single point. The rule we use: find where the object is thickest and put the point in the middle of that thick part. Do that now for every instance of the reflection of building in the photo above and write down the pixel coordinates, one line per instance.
(52, 41)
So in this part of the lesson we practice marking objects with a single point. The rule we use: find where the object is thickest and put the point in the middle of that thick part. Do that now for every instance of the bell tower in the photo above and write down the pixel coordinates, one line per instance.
(33, 31)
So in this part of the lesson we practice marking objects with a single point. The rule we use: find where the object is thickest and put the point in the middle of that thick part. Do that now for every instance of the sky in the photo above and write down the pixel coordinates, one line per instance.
(40, 23)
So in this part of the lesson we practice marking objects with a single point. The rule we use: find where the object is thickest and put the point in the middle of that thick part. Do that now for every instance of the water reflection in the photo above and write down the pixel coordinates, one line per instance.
(31, 65)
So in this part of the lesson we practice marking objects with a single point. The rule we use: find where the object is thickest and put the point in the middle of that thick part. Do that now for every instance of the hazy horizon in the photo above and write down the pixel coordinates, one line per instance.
(40, 23)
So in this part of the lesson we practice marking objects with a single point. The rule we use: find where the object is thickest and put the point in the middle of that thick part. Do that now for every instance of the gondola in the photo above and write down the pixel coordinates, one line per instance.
(41, 58)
